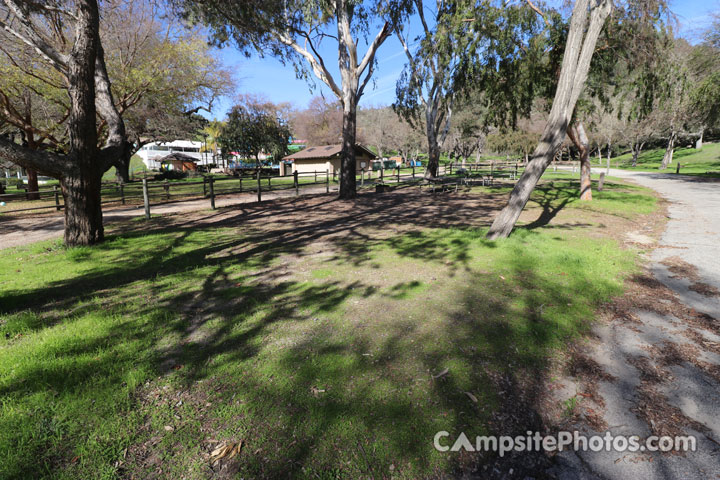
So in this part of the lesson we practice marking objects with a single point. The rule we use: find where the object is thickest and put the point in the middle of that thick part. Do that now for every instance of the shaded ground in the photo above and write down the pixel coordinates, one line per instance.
(655, 360)
(332, 338)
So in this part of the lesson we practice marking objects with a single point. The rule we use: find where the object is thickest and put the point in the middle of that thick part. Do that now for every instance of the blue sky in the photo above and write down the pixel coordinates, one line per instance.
(268, 77)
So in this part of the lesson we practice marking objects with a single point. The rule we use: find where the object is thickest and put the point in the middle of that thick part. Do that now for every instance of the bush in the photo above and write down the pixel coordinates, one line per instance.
(170, 175)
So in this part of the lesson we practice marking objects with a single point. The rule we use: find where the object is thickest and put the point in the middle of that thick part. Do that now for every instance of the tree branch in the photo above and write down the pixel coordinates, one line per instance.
(318, 67)
(45, 162)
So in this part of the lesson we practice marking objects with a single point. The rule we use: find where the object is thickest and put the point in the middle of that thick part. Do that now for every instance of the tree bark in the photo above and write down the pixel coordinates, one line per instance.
(348, 182)
(32, 185)
(81, 185)
(579, 138)
(668, 157)
(431, 171)
(83, 210)
(585, 26)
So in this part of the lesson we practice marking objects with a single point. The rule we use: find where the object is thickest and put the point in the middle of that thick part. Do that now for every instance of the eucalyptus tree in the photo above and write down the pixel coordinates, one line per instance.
(466, 46)
(642, 19)
(292, 30)
(81, 65)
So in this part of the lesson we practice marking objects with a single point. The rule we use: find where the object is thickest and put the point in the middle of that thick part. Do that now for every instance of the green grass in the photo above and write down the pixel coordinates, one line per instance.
(324, 372)
(136, 166)
(704, 162)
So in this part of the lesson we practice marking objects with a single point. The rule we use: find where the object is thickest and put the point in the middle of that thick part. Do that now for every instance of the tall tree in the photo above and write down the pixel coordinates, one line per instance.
(467, 46)
(251, 129)
(638, 29)
(588, 18)
(292, 31)
(83, 70)
(160, 76)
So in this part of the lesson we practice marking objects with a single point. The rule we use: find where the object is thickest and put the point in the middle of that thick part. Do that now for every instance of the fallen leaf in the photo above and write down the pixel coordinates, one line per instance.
(229, 450)
(169, 428)
(441, 374)
(471, 397)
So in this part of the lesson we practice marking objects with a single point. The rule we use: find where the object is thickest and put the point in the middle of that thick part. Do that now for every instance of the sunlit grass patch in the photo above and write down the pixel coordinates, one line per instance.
(135, 355)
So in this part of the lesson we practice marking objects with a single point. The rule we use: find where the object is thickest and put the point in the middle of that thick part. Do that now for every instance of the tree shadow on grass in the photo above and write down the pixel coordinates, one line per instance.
(320, 390)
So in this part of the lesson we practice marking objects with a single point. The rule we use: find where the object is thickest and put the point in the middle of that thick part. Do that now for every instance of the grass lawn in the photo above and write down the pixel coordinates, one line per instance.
(137, 166)
(704, 162)
(333, 339)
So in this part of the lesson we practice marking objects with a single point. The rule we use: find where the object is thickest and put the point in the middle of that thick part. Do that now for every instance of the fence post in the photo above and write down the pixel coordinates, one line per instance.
(327, 181)
(212, 193)
(122, 193)
(398, 175)
(204, 186)
(451, 165)
(413, 169)
(601, 182)
(167, 189)
(296, 183)
(259, 187)
(677, 168)
(334, 173)
(146, 199)
(382, 173)
(516, 171)
(362, 176)
(57, 198)
(315, 171)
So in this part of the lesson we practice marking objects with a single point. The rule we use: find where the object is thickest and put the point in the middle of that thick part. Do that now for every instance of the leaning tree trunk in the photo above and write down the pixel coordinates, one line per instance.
(668, 157)
(585, 27)
(348, 182)
(579, 138)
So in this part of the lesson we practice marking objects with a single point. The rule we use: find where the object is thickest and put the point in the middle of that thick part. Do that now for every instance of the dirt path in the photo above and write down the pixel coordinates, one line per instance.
(654, 368)
(16, 231)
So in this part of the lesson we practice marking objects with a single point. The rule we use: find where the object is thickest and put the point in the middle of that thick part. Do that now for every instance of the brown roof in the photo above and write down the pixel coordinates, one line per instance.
(327, 151)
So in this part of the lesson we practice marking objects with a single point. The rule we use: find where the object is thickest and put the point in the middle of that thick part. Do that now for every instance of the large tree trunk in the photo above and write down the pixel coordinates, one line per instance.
(431, 171)
(81, 169)
(348, 182)
(585, 26)
(579, 138)
(668, 157)
(83, 212)
(32, 185)
(81, 185)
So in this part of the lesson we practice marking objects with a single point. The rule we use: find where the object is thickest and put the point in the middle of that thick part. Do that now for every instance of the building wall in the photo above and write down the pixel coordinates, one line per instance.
(309, 165)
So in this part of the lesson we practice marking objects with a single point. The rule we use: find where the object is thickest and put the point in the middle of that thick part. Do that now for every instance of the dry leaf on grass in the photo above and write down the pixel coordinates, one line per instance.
(471, 397)
(228, 449)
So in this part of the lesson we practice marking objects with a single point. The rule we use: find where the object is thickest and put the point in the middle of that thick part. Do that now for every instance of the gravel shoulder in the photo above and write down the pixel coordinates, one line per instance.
(653, 366)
